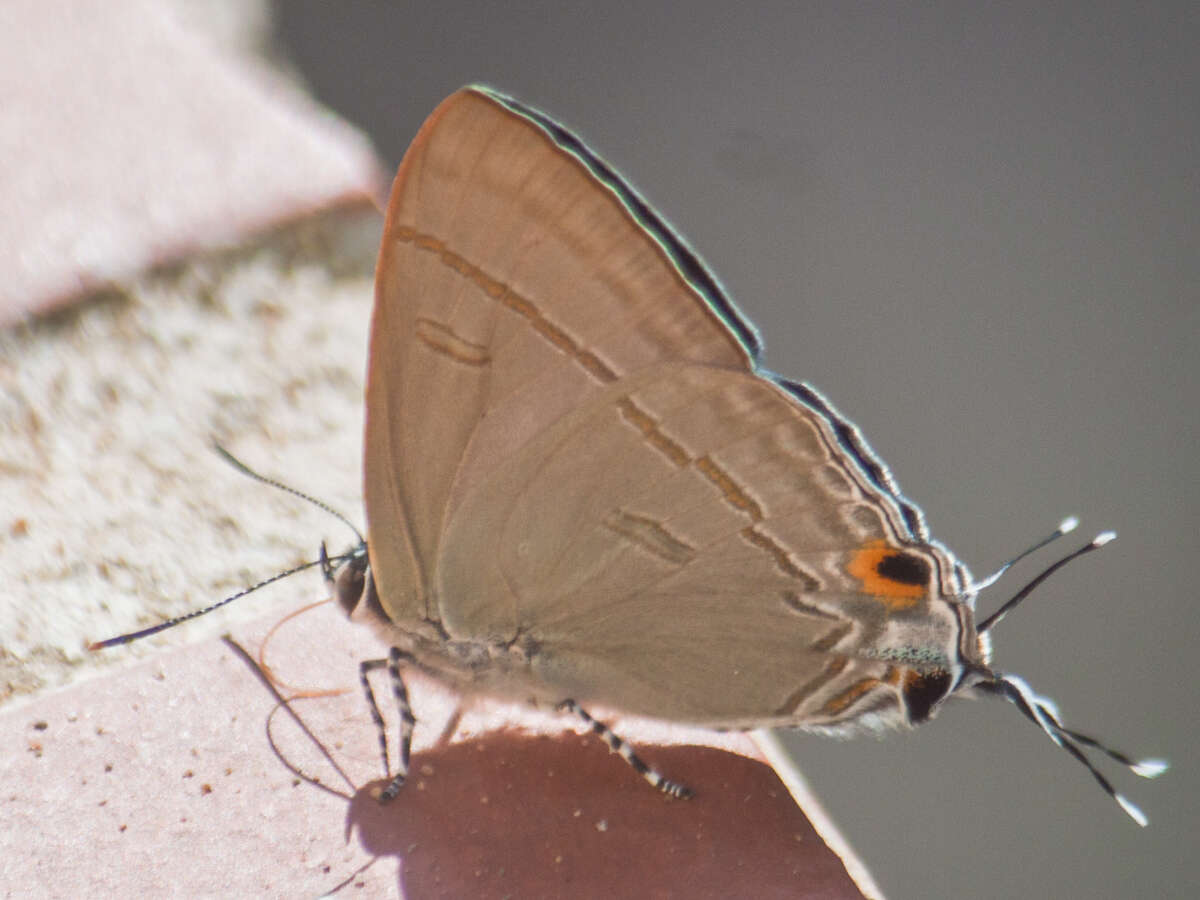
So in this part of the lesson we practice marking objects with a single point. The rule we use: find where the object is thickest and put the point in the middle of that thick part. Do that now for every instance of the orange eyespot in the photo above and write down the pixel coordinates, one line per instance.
(896, 578)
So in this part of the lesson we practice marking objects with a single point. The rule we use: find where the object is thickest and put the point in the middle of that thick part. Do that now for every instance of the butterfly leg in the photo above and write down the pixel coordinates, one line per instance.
(450, 728)
(407, 720)
(619, 745)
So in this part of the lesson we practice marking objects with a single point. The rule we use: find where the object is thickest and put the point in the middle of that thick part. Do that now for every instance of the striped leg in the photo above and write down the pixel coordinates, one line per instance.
(407, 721)
(619, 745)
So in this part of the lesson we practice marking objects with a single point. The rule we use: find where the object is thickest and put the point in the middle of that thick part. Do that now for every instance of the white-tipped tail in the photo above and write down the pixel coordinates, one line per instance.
(1134, 813)
(1150, 768)
(1103, 538)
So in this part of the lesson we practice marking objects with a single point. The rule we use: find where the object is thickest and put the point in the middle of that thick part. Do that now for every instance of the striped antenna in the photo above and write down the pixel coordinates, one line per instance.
(325, 561)
(171, 623)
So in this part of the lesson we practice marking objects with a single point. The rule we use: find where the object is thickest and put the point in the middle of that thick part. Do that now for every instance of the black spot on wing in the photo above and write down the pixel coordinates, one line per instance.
(923, 692)
(904, 568)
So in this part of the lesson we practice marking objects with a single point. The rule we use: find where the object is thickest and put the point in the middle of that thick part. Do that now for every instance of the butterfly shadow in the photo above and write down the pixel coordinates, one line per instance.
(510, 812)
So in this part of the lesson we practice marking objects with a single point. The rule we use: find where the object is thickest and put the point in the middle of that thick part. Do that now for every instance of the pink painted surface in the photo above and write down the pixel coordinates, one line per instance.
(129, 141)
(161, 779)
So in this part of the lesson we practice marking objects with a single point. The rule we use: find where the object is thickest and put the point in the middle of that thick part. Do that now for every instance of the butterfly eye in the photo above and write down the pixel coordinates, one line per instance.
(348, 582)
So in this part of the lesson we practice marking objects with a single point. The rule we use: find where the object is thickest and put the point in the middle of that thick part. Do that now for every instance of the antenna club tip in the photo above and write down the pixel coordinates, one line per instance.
(1134, 813)
(1069, 524)
(1150, 768)
(93, 646)
(1103, 538)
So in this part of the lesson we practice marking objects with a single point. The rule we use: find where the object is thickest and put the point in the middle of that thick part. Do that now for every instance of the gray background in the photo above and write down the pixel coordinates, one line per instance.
(974, 230)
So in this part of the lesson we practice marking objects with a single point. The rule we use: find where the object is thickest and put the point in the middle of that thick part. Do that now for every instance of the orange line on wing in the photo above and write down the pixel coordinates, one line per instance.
(842, 701)
(501, 293)
(731, 490)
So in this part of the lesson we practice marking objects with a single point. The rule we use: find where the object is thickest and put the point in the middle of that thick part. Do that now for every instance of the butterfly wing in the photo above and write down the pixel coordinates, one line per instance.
(693, 544)
(517, 277)
(568, 452)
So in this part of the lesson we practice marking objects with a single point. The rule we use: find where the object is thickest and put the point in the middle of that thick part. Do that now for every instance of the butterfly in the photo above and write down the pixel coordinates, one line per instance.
(582, 487)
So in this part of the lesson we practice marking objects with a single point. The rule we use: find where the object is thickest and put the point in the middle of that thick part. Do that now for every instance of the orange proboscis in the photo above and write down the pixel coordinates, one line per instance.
(280, 684)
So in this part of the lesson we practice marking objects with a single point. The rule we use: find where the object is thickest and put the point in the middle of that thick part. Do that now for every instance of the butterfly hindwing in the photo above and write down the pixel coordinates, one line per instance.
(676, 532)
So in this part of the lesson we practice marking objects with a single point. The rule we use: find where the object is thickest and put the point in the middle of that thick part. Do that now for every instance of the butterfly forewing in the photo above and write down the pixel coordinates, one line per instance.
(513, 283)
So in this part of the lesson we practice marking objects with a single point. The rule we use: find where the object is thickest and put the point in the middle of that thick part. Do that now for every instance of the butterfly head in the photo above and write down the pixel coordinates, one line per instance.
(348, 578)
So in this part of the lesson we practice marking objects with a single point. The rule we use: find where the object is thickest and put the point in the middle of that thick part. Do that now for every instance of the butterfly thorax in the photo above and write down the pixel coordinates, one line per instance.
(495, 667)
